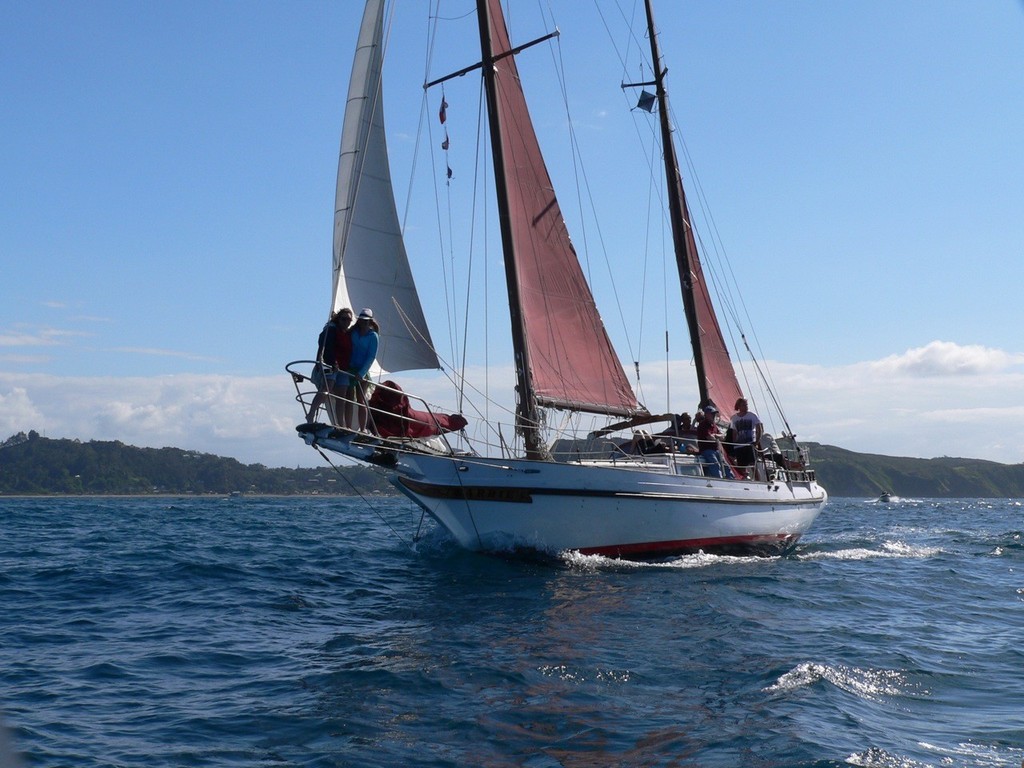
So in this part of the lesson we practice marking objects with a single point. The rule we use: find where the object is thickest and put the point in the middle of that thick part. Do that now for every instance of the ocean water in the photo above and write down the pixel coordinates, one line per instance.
(311, 632)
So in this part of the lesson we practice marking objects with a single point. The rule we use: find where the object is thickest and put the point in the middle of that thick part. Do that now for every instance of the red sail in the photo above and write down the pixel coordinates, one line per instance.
(573, 364)
(719, 375)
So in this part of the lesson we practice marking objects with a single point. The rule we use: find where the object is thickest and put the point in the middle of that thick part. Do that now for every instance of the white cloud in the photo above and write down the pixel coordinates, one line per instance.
(24, 359)
(43, 337)
(964, 401)
(941, 358)
(16, 339)
(158, 352)
(938, 400)
(250, 418)
(92, 319)
(16, 411)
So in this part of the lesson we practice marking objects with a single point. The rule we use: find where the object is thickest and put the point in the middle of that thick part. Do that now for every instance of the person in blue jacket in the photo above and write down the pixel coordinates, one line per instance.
(365, 339)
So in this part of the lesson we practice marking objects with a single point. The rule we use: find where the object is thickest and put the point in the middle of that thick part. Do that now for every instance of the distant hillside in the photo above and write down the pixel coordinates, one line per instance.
(845, 473)
(30, 464)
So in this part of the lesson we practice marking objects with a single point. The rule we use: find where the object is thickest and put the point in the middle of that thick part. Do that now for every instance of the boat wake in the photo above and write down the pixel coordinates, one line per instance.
(699, 560)
(886, 549)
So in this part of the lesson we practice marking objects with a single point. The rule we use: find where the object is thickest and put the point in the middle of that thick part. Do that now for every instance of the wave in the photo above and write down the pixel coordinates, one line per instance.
(960, 754)
(568, 674)
(977, 754)
(868, 684)
(880, 758)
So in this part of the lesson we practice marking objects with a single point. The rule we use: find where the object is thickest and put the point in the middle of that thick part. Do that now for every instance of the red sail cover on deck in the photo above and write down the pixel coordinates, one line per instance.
(393, 416)
(573, 364)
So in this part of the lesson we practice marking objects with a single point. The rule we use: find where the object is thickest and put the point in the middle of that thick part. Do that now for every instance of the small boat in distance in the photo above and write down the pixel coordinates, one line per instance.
(543, 480)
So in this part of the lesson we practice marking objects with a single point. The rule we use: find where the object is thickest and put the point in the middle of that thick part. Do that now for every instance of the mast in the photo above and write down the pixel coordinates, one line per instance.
(527, 413)
(682, 232)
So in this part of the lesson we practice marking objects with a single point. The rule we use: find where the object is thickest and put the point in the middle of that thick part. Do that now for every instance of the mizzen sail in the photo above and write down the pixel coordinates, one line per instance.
(720, 383)
(716, 377)
(371, 268)
(572, 363)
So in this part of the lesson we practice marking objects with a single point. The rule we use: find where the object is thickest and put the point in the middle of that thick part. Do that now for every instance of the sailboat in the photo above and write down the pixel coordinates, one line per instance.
(531, 486)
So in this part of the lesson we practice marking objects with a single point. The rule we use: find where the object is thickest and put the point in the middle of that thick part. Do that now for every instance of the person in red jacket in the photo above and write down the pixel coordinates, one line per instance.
(331, 347)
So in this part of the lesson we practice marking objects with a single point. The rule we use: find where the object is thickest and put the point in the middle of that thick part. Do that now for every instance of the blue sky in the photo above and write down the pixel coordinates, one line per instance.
(167, 201)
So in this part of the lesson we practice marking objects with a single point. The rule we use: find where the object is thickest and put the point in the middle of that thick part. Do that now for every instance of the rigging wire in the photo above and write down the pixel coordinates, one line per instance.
(445, 212)
(480, 178)
(582, 183)
(446, 254)
(731, 297)
(460, 281)
(416, 537)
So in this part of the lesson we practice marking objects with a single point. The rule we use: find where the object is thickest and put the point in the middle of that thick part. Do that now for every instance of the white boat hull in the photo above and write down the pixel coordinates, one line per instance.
(625, 509)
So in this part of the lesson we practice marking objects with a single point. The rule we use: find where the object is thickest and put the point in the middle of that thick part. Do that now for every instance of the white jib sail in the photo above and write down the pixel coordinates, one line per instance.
(371, 268)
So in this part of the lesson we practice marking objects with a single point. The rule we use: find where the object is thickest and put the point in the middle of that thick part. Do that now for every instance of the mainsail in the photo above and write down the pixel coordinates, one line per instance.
(371, 268)
(571, 361)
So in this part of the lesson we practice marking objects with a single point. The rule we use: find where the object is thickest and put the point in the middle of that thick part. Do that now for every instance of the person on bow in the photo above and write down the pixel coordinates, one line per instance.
(365, 338)
(331, 357)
